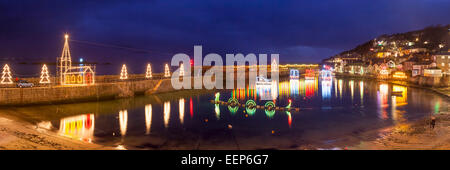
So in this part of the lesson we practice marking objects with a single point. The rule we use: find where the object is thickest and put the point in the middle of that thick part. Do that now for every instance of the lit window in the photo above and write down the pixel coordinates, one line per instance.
(443, 64)
(443, 57)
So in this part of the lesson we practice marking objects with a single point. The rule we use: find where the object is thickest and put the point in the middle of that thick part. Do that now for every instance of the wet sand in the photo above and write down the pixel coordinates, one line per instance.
(19, 135)
(416, 135)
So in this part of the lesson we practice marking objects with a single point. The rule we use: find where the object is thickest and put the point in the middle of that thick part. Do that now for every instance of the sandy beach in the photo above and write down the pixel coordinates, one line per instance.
(416, 135)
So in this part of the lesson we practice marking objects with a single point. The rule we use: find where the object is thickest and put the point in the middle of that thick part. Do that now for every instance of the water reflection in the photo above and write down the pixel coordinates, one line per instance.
(148, 118)
(335, 88)
(402, 98)
(381, 108)
(181, 109)
(78, 127)
(217, 110)
(326, 88)
(361, 91)
(293, 84)
(352, 88)
(123, 122)
(191, 107)
(310, 88)
(382, 96)
(166, 113)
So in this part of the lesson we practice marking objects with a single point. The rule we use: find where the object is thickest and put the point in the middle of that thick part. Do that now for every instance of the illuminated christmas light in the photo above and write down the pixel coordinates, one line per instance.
(181, 70)
(166, 71)
(73, 75)
(6, 75)
(44, 75)
(148, 74)
(124, 73)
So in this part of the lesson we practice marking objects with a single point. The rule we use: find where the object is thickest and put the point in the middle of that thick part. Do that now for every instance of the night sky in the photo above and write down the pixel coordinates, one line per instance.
(153, 31)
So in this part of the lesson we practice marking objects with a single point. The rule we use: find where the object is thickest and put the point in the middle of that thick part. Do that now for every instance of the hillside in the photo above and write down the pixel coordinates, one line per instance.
(430, 40)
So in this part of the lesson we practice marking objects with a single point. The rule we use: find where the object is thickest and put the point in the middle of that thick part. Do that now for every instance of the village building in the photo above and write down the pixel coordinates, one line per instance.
(432, 72)
(443, 61)
(418, 68)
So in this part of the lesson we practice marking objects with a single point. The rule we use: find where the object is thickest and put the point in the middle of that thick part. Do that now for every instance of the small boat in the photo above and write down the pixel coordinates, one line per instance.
(397, 93)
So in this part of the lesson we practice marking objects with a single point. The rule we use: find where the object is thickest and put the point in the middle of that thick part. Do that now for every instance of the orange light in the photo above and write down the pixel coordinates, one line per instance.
(399, 75)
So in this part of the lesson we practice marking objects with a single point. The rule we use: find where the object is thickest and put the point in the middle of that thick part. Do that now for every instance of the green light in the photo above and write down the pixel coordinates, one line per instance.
(250, 107)
(436, 107)
(233, 110)
(217, 97)
(270, 113)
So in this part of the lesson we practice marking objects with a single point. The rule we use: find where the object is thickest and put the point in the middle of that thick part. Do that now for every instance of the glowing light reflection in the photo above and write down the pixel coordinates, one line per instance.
(166, 113)
(148, 118)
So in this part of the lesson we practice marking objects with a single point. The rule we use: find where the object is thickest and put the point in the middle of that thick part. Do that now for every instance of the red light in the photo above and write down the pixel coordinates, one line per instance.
(192, 62)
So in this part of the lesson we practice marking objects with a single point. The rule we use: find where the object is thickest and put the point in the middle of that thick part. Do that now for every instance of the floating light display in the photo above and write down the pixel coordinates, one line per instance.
(44, 75)
(270, 109)
(6, 75)
(166, 71)
(148, 73)
(233, 105)
(124, 73)
(250, 107)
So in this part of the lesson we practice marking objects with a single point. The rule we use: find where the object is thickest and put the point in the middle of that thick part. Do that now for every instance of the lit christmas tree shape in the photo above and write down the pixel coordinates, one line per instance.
(6, 75)
(45, 78)
(124, 73)
(148, 74)
(166, 71)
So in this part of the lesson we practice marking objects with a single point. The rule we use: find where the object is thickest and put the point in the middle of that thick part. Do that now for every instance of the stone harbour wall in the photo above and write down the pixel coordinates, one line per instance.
(70, 94)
